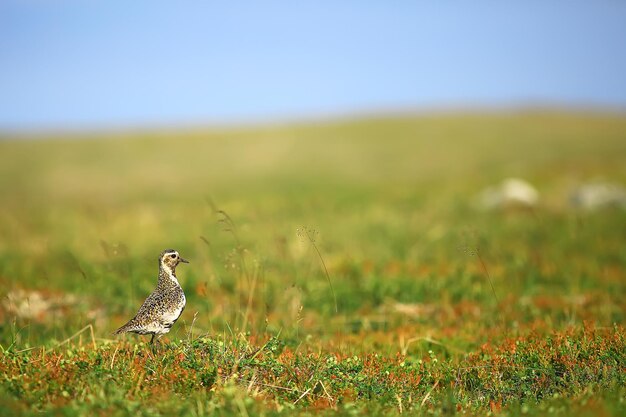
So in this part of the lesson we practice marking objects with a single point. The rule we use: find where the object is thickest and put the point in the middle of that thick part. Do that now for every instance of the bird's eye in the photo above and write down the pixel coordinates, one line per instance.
(173, 256)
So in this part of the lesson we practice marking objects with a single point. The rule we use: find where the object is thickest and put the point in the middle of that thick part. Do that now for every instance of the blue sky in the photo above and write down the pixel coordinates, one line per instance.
(83, 64)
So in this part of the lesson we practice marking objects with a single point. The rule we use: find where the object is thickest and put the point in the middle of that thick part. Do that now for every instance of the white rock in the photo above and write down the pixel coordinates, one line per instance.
(598, 195)
(511, 192)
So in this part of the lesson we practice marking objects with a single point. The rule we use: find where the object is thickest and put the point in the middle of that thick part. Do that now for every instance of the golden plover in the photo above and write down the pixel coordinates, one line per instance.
(163, 307)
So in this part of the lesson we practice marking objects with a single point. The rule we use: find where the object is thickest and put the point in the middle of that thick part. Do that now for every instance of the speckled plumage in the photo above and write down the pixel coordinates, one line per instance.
(163, 307)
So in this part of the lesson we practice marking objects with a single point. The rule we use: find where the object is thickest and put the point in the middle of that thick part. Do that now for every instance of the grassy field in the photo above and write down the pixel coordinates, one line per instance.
(336, 268)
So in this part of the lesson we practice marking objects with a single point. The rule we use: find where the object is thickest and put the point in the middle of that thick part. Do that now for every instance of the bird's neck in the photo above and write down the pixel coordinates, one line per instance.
(167, 276)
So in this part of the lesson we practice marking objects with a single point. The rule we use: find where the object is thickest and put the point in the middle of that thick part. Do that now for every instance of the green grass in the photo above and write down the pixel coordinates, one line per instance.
(335, 268)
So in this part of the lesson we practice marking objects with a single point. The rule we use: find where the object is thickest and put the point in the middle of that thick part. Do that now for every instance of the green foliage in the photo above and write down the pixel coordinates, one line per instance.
(217, 374)
(336, 269)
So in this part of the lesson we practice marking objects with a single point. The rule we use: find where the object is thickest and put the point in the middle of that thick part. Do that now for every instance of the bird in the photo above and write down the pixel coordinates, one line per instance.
(164, 305)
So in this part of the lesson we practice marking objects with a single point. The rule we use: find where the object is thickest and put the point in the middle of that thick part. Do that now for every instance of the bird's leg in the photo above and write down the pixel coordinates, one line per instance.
(154, 346)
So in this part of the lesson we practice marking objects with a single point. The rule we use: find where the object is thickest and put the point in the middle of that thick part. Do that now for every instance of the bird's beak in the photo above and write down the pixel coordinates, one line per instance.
(185, 261)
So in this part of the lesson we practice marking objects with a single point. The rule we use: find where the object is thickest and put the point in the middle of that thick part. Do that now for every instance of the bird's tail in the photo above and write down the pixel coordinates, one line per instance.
(125, 328)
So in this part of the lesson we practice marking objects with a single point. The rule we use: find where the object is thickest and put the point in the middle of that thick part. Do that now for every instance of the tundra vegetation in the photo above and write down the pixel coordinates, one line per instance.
(336, 268)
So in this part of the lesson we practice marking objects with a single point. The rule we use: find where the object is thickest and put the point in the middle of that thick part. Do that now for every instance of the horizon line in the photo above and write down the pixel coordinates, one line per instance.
(259, 122)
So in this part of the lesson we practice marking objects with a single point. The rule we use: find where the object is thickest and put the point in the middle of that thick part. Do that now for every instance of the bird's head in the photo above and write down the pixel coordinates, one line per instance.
(169, 258)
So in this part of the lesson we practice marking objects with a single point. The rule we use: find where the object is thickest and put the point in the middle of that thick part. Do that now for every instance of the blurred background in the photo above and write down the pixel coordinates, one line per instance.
(325, 166)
